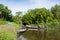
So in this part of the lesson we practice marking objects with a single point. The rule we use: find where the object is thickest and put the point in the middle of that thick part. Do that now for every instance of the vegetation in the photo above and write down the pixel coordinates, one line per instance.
(33, 16)
(7, 35)
(5, 13)
(12, 24)
(39, 16)
(17, 18)
(3, 22)
(42, 15)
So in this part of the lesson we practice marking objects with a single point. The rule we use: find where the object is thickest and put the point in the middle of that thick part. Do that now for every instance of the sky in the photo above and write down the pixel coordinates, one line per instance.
(24, 5)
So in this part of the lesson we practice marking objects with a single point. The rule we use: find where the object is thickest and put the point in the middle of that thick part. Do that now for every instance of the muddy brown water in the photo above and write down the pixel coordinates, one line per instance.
(30, 35)
(40, 35)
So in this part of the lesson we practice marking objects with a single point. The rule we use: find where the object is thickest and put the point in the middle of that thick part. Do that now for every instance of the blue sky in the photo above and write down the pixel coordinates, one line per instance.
(24, 5)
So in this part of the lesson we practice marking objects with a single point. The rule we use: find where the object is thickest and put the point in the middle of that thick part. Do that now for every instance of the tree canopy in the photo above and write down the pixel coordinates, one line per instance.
(5, 13)
(56, 11)
(37, 16)
(32, 16)
(42, 15)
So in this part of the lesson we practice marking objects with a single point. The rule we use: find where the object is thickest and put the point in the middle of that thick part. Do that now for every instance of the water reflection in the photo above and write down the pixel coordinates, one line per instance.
(22, 38)
(40, 35)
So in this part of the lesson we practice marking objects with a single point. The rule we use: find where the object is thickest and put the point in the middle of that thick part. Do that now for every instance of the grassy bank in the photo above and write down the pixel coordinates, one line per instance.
(7, 35)
(12, 24)
(8, 30)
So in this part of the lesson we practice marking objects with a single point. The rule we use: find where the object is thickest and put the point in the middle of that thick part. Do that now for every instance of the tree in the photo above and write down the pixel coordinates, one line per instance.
(37, 16)
(5, 13)
(56, 11)
(18, 17)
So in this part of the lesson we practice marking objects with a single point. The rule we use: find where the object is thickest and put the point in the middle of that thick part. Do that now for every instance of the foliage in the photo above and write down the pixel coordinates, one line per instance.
(33, 16)
(56, 11)
(42, 16)
(5, 13)
(17, 17)
(37, 16)
(7, 35)
(3, 22)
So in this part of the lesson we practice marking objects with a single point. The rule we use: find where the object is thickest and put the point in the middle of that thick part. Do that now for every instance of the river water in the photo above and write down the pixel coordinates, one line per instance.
(29, 35)
(39, 35)
(21, 38)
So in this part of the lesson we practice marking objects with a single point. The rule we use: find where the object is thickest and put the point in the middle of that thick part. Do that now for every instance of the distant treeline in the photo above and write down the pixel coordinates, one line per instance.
(32, 16)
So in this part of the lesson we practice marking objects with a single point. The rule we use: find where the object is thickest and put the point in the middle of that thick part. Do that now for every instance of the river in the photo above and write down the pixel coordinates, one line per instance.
(21, 38)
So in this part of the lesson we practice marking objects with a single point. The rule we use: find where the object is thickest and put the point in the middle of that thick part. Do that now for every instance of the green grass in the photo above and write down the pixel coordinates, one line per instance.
(7, 35)
(3, 22)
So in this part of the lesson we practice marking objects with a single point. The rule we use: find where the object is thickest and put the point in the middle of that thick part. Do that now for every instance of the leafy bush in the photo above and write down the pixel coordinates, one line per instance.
(7, 35)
